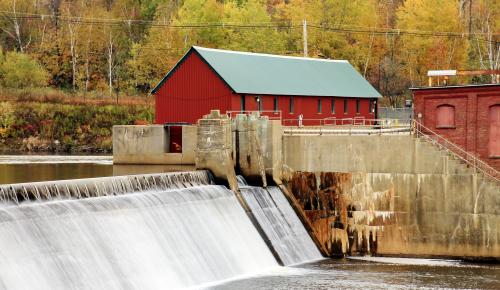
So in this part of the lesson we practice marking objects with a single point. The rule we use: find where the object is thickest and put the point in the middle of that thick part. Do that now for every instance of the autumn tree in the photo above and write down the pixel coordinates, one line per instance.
(263, 39)
(426, 52)
(485, 45)
(19, 70)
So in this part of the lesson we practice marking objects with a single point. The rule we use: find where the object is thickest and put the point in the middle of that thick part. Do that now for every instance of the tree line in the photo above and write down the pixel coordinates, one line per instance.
(126, 46)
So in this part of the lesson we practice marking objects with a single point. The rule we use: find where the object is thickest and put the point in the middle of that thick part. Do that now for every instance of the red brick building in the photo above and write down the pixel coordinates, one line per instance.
(468, 116)
(206, 79)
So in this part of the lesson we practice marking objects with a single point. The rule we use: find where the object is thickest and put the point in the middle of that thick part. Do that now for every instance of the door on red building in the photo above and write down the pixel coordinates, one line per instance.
(494, 141)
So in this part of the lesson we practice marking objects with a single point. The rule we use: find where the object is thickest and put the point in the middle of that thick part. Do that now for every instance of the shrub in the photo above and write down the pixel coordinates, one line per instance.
(75, 127)
(19, 70)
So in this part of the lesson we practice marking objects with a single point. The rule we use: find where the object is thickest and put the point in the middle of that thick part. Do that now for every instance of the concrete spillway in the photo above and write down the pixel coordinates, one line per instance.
(102, 186)
(155, 238)
(281, 225)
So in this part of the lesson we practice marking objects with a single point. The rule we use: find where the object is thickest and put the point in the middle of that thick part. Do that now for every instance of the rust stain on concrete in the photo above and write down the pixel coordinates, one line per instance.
(342, 210)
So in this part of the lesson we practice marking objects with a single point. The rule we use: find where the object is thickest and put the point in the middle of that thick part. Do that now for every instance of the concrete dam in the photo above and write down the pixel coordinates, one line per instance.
(263, 196)
(158, 231)
(359, 189)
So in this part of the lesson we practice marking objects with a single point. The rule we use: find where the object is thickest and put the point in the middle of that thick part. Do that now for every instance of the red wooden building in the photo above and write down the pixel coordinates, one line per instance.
(468, 116)
(206, 79)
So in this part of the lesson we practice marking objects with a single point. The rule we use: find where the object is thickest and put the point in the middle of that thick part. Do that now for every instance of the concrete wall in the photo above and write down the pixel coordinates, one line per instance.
(214, 147)
(366, 153)
(397, 196)
(257, 146)
(148, 144)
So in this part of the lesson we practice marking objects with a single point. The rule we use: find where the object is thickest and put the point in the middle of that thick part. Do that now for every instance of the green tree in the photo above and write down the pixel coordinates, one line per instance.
(159, 50)
(153, 57)
(250, 12)
(200, 13)
(19, 70)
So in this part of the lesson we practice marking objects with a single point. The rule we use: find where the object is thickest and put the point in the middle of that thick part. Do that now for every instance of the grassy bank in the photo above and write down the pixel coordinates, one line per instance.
(28, 125)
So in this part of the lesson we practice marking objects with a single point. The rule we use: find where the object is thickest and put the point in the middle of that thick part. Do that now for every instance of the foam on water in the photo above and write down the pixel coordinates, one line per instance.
(409, 261)
(154, 239)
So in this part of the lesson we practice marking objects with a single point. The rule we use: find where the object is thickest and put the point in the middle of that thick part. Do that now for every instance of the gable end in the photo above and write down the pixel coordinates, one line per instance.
(180, 62)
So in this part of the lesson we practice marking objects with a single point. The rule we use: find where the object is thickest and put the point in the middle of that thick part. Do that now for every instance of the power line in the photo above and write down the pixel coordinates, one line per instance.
(261, 25)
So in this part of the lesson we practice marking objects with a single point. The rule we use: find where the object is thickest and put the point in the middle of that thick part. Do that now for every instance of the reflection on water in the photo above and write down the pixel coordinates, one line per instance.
(355, 274)
(23, 159)
(18, 173)
(19, 169)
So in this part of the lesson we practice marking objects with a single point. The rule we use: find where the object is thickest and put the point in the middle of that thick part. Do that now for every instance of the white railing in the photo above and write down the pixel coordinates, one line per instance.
(272, 115)
(346, 126)
(468, 158)
(356, 121)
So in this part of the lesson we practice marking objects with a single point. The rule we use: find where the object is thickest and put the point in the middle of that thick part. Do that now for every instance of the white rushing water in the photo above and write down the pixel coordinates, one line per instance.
(281, 224)
(156, 239)
(101, 186)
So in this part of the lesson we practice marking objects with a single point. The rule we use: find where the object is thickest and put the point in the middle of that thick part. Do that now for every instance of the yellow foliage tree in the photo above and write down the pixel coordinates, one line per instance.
(423, 53)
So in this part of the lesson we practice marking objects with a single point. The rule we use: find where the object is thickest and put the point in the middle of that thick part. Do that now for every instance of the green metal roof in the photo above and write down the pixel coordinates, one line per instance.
(256, 73)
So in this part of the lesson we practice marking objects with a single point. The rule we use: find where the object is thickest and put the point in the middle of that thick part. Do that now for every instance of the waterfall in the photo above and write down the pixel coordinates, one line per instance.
(163, 235)
(102, 186)
(281, 224)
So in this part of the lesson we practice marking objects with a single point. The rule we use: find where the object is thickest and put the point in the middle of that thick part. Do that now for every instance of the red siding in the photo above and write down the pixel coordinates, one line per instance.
(194, 89)
(191, 92)
(307, 106)
(472, 116)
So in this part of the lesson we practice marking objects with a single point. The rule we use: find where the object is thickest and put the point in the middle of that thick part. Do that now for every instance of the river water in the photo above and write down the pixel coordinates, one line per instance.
(371, 273)
(32, 168)
(387, 273)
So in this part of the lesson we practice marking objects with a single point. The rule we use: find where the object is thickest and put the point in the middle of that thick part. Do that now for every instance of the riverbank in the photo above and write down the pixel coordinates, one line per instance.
(59, 125)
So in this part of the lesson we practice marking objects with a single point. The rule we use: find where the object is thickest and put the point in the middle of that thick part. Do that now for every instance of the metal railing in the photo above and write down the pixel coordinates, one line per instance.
(468, 158)
(356, 121)
(346, 126)
(271, 114)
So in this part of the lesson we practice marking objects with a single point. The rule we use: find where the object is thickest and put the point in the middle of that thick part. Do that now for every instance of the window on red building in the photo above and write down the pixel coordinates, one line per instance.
(346, 107)
(445, 116)
(358, 106)
(275, 103)
(320, 109)
(333, 105)
(290, 107)
(494, 140)
(242, 103)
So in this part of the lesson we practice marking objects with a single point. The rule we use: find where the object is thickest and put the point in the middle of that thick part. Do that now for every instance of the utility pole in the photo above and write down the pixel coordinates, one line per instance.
(304, 36)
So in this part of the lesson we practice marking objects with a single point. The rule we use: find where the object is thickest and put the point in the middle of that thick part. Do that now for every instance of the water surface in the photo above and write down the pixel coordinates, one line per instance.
(32, 168)
(359, 274)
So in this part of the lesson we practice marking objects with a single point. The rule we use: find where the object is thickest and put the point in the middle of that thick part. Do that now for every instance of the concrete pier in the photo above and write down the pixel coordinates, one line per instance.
(149, 144)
